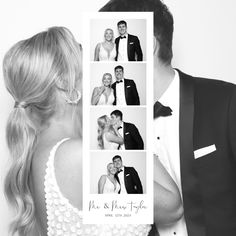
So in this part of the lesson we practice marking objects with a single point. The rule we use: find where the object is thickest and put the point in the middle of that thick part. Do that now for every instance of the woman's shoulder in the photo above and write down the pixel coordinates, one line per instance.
(98, 46)
(96, 89)
(69, 154)
(69, 147)
(68, 159)
(103, 178)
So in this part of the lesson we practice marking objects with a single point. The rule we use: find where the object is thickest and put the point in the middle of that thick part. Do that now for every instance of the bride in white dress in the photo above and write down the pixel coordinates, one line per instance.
(104, 95)
(108, 136)
(107, 183)
(106, 51)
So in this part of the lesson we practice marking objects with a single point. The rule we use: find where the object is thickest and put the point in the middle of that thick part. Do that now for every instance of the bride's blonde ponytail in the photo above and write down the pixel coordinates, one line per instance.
(42, 74)
(21, 137)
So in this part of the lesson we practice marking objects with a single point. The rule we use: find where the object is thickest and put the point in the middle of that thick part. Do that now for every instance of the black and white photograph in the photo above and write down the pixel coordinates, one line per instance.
(118, 84)
(118, 129)
(118, 173)
(42, 182)
(118, 40)
(115, 117)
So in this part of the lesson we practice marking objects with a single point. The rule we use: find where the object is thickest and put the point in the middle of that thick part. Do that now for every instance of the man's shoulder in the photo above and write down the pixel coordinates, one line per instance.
(128, 80)
(129, 168)
(128, 124)
(131, 36)
(207, 84)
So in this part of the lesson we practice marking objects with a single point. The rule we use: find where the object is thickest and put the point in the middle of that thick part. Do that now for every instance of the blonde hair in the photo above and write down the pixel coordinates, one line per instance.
(109, 74)
(102, 126)
(35, 70)
(106, 32)
(108, 165)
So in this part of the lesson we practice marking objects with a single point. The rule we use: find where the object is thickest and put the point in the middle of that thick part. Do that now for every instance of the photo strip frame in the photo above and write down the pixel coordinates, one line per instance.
(118, 115)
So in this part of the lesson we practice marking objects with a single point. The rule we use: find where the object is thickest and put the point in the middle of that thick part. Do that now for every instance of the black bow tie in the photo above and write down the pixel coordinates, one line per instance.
(120, 81)
(124, 37)
(160, 110)
(119, 127)
(119, 171)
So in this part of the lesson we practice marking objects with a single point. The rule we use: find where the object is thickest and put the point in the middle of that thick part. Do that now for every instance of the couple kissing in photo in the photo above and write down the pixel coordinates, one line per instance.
(114, 133)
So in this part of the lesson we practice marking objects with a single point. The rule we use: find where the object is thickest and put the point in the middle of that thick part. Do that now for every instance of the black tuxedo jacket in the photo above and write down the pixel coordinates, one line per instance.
(132, 181)
(132, 138)
(208, 117)
(133, 48)
(130, 90)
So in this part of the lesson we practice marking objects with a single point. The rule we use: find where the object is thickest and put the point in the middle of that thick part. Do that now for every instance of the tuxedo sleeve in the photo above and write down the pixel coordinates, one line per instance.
(136, 181)
(232, 122)
(138, 50)
(135, 94)
(137, 137)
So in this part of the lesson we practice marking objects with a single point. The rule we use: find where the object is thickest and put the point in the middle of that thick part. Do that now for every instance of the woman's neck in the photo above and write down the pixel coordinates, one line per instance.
(107, 88)
(111, 176)
(108, 42)
(60, 127)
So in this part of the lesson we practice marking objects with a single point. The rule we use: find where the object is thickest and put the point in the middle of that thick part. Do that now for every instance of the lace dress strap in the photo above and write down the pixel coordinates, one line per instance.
(54, 149)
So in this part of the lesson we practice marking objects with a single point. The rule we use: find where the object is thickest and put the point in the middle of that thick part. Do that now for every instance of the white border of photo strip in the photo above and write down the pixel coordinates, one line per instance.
(117, 208)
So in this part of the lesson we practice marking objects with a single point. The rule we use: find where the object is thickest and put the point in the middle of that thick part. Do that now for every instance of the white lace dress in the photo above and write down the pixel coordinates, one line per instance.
(63, 219)
(109, 187)
(110, 100)
(109, 145)
(104, 55)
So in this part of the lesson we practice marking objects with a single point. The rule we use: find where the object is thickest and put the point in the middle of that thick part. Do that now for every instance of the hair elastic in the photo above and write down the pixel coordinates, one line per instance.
(20, 104)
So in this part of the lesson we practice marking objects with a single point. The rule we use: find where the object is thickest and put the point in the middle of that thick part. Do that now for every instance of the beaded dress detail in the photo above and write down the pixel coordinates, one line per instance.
(63, 219)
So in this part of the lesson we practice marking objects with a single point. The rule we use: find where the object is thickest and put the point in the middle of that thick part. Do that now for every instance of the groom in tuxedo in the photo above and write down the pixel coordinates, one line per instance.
(127, 177)
(129, 132)
(127, 46)
(125, 90)
(198, 144)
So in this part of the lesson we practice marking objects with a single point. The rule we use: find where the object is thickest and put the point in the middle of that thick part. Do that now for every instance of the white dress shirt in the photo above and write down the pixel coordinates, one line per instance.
(122, 181)
(166, 144)
(120, 93)
(121, 132)
(122, 49)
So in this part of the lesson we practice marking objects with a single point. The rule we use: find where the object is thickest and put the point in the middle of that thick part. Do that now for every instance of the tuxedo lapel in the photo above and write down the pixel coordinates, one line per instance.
(117, 178)
(124, 130)
(117, 47)
(125, 90)
(114, 88)
(125, 181)
(193, 209)
(128, 47)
